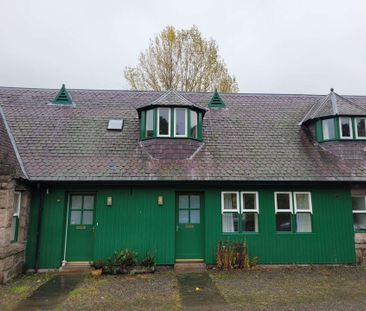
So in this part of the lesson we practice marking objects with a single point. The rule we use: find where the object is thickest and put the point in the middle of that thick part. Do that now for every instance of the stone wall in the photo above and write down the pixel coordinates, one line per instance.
(12, 255)
(360, 244)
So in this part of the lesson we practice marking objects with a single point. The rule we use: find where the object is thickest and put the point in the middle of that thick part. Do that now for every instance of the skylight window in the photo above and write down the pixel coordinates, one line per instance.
(115, 125)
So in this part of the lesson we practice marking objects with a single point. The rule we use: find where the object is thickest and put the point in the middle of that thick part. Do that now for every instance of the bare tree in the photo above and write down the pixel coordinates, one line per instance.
(181, 60)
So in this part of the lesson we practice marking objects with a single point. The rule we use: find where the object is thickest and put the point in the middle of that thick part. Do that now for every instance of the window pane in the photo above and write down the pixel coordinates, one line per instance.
(230, 222)
(250, 222)
(149, 123)
(361, 127)
(358, 204)
(249, 201)
(164, 121)
(283, 201)
(183, 217)
(359, 221)
(180, 121)
(87, 217)
(76, 202)
(283, 221)
(302, 201)
(195, 201)
(303, 222)
(88, 202)
(13, 228)
(194, 124)
(16, 206)
(195, 216)
(345, 127)
(230, 201)
(328, 129)
(183, 201)
(75, 218)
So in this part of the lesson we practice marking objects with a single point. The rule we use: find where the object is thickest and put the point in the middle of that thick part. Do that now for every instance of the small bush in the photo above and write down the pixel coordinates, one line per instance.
(98, 264)
(234, 255)
(148, 260)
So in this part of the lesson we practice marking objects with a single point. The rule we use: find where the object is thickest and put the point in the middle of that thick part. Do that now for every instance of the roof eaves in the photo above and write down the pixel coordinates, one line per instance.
(12, 140)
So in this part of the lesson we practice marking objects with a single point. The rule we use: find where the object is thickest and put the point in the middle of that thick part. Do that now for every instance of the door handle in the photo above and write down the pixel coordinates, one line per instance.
(177, 228)
(93, 229)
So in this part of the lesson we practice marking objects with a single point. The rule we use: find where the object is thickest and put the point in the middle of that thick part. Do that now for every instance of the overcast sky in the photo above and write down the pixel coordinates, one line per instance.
(271, 46)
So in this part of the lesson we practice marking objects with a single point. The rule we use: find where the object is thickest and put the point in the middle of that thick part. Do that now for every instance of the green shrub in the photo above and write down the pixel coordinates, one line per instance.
(148, 260)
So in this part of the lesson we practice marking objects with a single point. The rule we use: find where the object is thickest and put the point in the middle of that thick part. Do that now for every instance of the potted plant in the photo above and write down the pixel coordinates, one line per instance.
(97, 268)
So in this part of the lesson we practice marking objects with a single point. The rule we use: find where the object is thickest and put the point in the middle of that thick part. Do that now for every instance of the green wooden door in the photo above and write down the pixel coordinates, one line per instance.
(189, 226)
(80, 234)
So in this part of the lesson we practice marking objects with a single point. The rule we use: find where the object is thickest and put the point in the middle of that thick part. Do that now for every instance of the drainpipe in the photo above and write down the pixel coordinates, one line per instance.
(39, 225)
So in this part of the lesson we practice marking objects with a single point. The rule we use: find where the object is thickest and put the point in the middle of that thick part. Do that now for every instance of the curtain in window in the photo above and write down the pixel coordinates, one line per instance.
(303, 222)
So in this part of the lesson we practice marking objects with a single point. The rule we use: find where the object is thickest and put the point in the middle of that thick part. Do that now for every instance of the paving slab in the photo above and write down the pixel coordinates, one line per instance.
(52, 293)
(198, 292)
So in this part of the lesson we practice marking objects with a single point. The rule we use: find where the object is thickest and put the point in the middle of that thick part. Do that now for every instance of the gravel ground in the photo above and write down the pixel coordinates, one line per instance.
(294, 288)
(156, 291)
(20, 288)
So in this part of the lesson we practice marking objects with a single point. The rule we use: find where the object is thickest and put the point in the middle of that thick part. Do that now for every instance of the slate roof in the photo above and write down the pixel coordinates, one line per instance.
(333, 105)
(256, 137)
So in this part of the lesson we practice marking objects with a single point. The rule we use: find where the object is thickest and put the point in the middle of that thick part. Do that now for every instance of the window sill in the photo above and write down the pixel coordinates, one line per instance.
(169, 137)
(241, 233)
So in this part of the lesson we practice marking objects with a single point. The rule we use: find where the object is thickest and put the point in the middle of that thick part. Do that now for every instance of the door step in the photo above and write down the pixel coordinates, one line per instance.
(190, 267)
(76, 267)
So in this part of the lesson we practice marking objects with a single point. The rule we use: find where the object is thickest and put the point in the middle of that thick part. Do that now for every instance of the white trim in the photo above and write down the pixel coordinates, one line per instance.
(158, 121)
(359, 211)
(148, 111)
(350, 128)
(66, 227)
(256, 210)
(283, 210)
(185, 121)
(356, 128)
(310, 210)
(222, 202)
(17, 213)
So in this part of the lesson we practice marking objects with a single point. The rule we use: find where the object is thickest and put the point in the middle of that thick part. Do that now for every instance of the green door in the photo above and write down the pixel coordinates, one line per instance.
(80, 233)
(189, 226)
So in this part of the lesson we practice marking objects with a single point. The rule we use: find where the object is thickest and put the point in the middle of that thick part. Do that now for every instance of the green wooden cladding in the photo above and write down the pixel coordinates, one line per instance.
(216, 100)
(136, 221)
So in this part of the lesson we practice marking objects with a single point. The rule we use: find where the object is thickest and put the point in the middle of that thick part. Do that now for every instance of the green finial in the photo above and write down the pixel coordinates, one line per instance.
(216, 100)
(63, 97)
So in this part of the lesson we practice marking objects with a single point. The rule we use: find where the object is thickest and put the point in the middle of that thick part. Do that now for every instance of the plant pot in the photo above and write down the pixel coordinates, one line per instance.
(96, 272)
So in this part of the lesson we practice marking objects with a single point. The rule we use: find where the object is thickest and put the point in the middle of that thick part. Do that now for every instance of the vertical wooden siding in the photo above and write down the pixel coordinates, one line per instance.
(136, 221)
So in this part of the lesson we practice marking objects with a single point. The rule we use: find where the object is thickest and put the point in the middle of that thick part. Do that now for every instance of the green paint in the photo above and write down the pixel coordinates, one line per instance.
(216, 100)
(80, 232)
(136, 221)
(143, 125)
(189, 226)
(63, 97)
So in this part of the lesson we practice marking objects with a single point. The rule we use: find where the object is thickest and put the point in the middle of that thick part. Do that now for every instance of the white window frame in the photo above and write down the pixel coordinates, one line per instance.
(237, 210)
(277, 210)
(359, 211)
(158, 121)
(310, 210)
(185, 121)
(335, 134)
(17, 213)
(356, 128)
(350, 128)
(147, 111)
(190, 122)
(243, 210)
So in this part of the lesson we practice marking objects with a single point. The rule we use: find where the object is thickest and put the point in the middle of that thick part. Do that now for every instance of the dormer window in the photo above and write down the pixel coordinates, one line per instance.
(329, 132)
(164, 122)
(149, 124)
(194, 124)
(180, 122)
(360, 125)
(345, 126)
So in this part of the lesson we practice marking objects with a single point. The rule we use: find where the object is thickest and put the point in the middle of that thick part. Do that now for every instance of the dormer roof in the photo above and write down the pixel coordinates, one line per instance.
(171, 98)
(333, 105)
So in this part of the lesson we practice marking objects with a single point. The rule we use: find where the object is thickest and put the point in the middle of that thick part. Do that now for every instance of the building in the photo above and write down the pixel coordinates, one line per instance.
(173, 173)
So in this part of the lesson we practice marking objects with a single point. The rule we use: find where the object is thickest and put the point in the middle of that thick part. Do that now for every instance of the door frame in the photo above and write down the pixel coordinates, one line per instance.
(69, 195)
(202, 223)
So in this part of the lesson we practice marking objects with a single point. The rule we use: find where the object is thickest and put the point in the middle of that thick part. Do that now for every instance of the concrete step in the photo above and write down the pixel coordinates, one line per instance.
(190, 267)
(76, 267)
